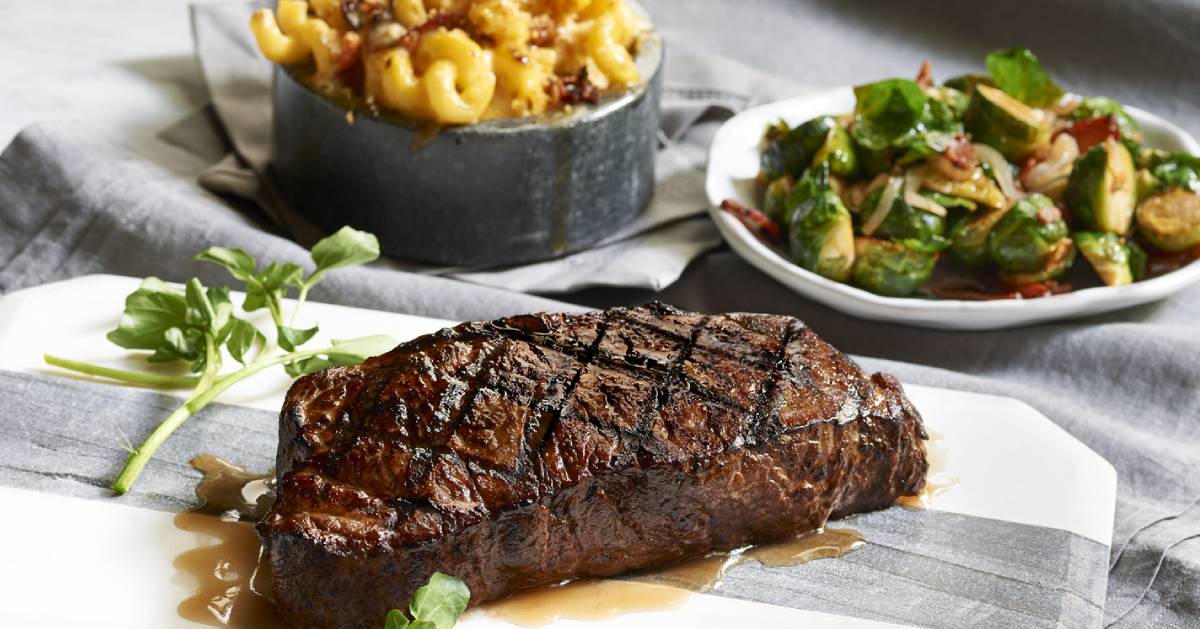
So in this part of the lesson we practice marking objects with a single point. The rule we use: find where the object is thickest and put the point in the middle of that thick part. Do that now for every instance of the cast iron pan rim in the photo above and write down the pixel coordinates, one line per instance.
(650, 57)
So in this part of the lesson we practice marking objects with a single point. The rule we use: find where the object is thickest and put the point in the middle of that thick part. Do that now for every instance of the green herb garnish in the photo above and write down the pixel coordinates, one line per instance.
(195, 324)
(436, 605)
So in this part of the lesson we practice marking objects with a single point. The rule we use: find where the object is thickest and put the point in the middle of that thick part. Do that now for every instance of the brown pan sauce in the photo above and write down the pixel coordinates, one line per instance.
(234, 581)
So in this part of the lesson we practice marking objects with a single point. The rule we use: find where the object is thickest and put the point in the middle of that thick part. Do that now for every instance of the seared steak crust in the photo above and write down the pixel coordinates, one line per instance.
(544, 447)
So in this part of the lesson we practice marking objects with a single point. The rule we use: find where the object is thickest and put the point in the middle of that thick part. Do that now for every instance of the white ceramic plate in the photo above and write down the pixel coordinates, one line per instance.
(733, 162)
(1010, 463)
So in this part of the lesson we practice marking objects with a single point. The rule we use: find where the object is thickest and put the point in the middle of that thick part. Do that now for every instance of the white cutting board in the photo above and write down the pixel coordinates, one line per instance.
(1010, 462)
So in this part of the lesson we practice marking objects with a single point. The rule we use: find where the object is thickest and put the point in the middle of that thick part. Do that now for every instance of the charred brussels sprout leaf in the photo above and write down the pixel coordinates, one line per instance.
(886, 110)
(1102, 187)
(1018, 72)
(821, 236)
(1097, 106)
(1026, 238)
(969, 239)
(819, 139)
(1001, 121)
(891, 269)
(1171, 220)
(1108, 255)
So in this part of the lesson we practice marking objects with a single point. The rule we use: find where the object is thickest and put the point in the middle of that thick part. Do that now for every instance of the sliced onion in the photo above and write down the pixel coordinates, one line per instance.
(1050, 176)
(947, 169)
(912, 184)
(884, 207)
(1000, 166)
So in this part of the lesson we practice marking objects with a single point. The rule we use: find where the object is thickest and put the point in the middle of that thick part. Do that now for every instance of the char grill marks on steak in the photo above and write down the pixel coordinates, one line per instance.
(538, 448)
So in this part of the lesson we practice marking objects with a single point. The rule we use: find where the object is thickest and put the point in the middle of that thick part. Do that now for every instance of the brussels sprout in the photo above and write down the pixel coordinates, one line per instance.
(775, 199)
(1097, 106)
(966, 83)
(1137, 260)
(1100, 192)
(1062, 255)
(978, 187)
(1108, 255)
(1019, 73)
(969, 239)
(886, 110)
(1171, 220)
(890, 269)
(1175, 170)
(999, 120)
(822, 236)
(873, 161)
(792, 152)
(905, 222)
(814, 182)
(947, 104)
(1147, 184)
(1025, 238)
(838, 152)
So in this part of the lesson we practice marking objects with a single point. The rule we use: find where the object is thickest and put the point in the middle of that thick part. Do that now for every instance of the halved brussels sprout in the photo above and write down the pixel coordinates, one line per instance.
(775, 198)
(890, 269)
(1108, 255)
(1101, 190)
(1062, 255)
(977, 186)
(1025, 239)
(1096, 106)
(999, 120)
(838, 152)
(793, 151)
(1171, 220)
(969, 239)
(821, 236)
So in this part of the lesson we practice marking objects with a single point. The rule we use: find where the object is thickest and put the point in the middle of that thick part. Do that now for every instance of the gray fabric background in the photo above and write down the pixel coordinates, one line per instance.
(74, 200)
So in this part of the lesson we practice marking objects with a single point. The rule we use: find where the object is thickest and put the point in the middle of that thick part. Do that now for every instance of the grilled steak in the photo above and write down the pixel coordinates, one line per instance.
(526, 451)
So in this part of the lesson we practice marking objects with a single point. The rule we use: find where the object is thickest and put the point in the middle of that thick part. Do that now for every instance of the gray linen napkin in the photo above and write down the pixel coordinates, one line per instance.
(650, 253)
(75, 201)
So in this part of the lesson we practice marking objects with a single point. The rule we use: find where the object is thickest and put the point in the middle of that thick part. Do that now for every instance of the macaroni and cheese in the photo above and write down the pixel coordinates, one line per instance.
(456, 61)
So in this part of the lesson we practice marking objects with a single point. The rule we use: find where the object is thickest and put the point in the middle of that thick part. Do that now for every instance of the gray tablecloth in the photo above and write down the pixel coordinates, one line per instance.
(74, 200)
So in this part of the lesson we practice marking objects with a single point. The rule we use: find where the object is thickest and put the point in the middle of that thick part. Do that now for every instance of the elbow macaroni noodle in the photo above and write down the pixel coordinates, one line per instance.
(454, 61)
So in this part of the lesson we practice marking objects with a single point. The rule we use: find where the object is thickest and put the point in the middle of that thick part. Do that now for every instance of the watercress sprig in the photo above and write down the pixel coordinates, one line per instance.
(435, 605)
(196, 325)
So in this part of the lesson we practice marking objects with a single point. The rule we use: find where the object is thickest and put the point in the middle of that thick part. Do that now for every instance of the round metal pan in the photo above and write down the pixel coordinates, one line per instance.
(493, 193)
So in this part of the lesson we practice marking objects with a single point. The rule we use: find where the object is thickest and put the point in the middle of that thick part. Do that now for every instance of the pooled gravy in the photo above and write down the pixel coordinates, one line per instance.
(936, 479)
(665, 588)
(234, 582)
